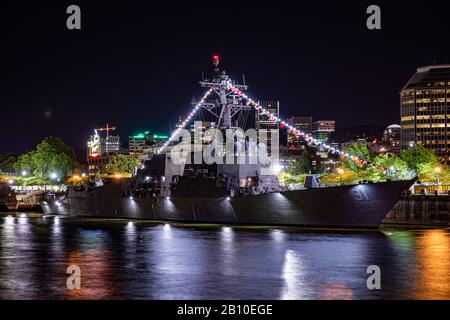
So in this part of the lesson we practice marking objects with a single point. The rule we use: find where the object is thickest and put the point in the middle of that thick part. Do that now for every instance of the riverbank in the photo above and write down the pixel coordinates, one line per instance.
(420, 210)
(180, 224)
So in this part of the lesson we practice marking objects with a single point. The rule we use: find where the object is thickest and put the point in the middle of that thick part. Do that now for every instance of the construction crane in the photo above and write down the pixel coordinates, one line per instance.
(107, 129)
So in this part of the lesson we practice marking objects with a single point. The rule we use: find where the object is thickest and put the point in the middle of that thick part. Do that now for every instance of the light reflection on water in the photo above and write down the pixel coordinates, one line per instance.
(121, 260)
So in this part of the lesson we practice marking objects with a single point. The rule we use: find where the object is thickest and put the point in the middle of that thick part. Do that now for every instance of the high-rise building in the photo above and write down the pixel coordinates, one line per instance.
(392, 137)
(303, 124)
(100, 151)
(265, 123)
(322, 129)
(425, 110)
(110, 144)
(99, 146)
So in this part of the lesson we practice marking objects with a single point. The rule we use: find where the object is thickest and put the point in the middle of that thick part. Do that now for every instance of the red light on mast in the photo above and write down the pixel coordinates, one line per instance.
(216, 60)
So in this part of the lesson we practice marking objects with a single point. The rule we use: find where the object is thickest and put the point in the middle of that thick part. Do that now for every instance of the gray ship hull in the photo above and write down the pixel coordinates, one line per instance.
(356, 206)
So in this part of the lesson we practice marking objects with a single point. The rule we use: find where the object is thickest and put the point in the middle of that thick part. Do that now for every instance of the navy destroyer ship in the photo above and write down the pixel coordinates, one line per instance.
(204, 197)
(226, 192)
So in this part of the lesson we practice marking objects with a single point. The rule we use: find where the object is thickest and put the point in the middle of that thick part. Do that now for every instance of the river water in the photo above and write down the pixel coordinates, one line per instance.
(136, 260)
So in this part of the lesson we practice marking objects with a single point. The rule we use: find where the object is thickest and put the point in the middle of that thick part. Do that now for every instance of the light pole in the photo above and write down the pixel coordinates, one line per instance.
(437, 171)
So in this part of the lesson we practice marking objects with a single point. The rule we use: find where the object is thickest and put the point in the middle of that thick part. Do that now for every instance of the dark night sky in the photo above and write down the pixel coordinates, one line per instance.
(137, 64)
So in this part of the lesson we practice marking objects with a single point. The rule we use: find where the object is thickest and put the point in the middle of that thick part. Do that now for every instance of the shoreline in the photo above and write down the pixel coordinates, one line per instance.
(184, 224)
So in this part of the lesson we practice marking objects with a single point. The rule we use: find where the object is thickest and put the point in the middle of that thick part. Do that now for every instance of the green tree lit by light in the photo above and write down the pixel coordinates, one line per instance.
(51, 156)
(122, 164)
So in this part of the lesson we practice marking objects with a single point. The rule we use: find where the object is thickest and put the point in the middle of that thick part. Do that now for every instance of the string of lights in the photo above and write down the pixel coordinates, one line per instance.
(308, 138)
(186, 120)
(298, 133)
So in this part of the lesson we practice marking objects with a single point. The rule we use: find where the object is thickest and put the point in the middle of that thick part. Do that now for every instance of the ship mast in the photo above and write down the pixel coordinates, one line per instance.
(225, 105)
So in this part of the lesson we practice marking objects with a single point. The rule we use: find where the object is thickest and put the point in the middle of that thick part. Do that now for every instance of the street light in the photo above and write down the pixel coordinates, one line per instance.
(53, 175)
(437, 171)
(24, 173)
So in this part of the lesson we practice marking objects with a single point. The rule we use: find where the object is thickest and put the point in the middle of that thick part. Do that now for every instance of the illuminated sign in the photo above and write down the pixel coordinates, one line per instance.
(94, 145)
(146, 133)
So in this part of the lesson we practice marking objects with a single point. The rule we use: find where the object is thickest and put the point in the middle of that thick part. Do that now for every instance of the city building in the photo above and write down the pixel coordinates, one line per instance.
(425, 110)
(322, 129)
(392, 137)
(98, 164)
(265, 124)
(110, 144)
(100, 151)
(348, 143)
(303, 124)
(145, 144)
(99, 146)
(138, 143)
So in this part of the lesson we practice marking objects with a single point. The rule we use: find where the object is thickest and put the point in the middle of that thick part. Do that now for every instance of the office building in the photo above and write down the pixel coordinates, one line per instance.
(392, 137)
(322, 129)
(303, 124)
(425, 110)
(266, 125)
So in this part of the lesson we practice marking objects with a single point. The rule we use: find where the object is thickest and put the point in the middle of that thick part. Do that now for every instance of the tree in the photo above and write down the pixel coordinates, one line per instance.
(302, 165)
(284, 178)
(362, 151)
(122, 164)
(345, 176)
(7, 162)
(52, 155)
(397, 167)
(417, 157)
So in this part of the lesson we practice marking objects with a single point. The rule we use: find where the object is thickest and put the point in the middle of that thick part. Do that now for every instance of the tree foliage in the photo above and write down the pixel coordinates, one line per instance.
(415, 161)
(122, 164)
(346, 177)
(361, 151)
(51, 155)
(397, 167)
(417, 157)
(301, 165)
(286, 178)
(7, 162)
